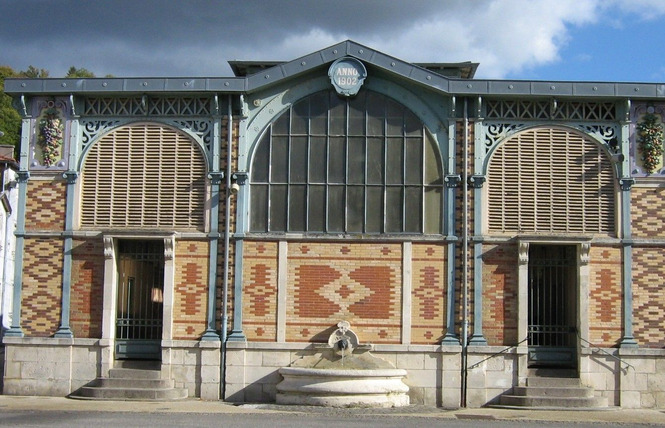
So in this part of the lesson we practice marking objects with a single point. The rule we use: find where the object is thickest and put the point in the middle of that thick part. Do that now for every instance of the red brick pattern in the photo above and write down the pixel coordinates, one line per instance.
(605, 296)
(190, 306)
(87, 288)
(428, 294)
(42, 286)
(260, 291)
(648, 296)
(500, 289)
(45, 205)
(329, 282)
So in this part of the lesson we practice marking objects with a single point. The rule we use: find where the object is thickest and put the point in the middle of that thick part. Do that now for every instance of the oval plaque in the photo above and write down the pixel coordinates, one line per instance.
(347, 76)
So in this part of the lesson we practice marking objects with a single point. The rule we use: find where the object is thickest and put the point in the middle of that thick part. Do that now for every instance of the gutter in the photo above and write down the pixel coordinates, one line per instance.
(227, 231)
(465, 258)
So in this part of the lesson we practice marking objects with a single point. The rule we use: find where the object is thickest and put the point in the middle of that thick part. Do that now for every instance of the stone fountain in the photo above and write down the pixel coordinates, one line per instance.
(343, 374)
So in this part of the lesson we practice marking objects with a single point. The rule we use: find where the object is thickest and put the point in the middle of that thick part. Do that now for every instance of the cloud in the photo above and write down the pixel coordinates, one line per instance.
(198, 37)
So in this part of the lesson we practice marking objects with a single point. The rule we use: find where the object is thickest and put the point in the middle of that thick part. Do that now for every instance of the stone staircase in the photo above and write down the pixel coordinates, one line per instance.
(556, 389)
(132, 380)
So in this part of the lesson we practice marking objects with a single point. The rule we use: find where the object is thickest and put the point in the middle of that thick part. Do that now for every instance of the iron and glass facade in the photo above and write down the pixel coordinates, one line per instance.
(469, 230)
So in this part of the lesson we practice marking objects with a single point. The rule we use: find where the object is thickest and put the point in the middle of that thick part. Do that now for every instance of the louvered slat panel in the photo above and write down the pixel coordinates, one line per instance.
(144, 176)
(550, 180)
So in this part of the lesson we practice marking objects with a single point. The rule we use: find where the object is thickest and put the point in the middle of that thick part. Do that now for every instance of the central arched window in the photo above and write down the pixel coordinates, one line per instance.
(335, 165)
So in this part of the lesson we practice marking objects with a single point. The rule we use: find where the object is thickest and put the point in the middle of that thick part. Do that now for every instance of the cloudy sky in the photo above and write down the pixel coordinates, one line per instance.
(605, 40)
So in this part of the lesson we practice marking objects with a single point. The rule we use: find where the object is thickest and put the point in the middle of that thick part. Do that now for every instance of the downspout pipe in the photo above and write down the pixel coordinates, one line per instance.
(465, 255)
(227, 231)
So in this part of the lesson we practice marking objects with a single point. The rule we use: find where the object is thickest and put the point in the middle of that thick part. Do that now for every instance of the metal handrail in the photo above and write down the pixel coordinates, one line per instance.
(503, 351)
(604, 351)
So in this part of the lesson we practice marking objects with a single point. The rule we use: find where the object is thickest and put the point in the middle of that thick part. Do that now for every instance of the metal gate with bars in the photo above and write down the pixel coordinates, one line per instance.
(552, 305)
(139, 299)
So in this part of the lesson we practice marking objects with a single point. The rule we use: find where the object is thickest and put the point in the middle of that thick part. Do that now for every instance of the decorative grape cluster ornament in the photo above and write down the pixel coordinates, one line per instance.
(51, 130)
(650, 133)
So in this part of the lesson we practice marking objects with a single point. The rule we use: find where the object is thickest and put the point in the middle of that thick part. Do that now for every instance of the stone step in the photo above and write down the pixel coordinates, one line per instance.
(139, 394)
(121, 373)
(541, 391)
(110, 382)
(138, 364)
(554, 402)
(553, 382)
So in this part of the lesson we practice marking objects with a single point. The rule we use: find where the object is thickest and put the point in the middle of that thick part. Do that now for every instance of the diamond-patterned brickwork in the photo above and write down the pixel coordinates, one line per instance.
(45, 205)
(42, 286)
(647, 208)
(648, 296)
(360, 283)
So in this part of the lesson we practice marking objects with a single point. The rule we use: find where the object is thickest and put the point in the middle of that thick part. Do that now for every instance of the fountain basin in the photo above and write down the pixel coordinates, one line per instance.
(343, 387)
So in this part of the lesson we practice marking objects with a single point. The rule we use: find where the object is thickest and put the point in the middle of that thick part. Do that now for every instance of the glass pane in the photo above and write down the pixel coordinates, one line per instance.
(297, 209)
(374, 210)
(414, 160)
(278, 208)
(318, 111)
(355, 208)
(375, 160)
(357, 160)
(298, 167)
(336, 209)
(300, 118)
(433, 169)
(394, 204)
(279, 159)
(413, 127)
(357, 115)
(414, 209)
(336, 160)
(317, 209)
(259, 217)
(394, 160)
(260, 162)
(317, 160)
(337, 115)
(281, 125)
(394, 118)
(433, 220)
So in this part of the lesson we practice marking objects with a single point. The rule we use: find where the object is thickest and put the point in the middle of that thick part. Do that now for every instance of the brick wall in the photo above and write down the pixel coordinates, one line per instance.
(428, 294)
(42, 286)
(190, 306)
(648, 296)
(260, 291)
(329, 282)
(87, 288)
(647, 208)
(605, 309)
(45, 205)
(500, 294)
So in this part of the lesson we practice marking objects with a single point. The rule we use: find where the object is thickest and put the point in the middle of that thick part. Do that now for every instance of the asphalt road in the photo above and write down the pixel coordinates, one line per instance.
(79, 419)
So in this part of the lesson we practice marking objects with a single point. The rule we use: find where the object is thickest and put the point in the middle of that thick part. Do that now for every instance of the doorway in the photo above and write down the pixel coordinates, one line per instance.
(552, 316)
(140, 299)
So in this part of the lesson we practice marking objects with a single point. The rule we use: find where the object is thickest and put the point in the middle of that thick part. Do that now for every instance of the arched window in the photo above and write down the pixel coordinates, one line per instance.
(334, 165)
(144, 176)
(551, 180)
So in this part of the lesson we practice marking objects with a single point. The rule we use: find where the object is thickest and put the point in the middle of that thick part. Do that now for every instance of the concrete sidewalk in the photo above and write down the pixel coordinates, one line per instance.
(45, 404)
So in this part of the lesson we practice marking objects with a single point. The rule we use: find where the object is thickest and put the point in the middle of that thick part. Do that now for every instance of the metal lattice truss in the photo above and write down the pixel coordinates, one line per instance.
(151, 106)
(550, 110)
